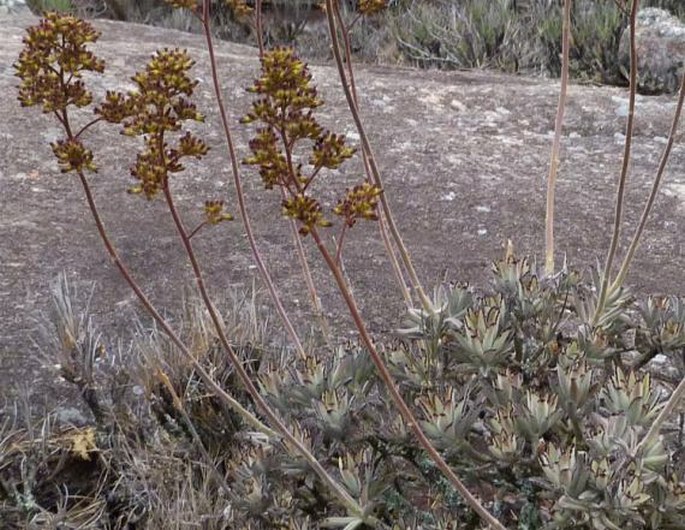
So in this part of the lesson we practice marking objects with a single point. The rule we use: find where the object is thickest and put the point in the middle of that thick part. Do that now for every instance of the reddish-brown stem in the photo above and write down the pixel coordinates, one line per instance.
(264, 273)
(313, 295)
(350, 93)
(397, 270)
(306, 272)
(87, 126)
(311, 178)
(339, 245)
(623, 271)
(331, 7)
(63, 118)
(556, 144)
(289, 157)
(157, 317)
(258, 26)
(345, 32)
(289, 187)
(338, 490)
(301, 255)
(397, 398)
(618, 213)
(244, 377)
(197, 229)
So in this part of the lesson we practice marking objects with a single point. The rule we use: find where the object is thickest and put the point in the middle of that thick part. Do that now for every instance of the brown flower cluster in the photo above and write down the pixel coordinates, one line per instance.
(159, 106)
(305, 209)
(52, 62)
(360, 202)
(72, 155)
(214, 212)
(330, 151)
(285, 111)
(51, 67)
(371, 7)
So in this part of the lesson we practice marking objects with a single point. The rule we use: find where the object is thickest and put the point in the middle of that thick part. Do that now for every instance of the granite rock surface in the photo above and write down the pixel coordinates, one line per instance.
(464, 156)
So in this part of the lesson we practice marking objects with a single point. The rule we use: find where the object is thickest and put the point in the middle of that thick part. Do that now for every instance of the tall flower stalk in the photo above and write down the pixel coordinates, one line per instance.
(556, 144)
(203, 14)
(301, 254)
(665, 155)
(331, 7)
(623, 177)
(283, 112)
(51, 68)
(370, 9)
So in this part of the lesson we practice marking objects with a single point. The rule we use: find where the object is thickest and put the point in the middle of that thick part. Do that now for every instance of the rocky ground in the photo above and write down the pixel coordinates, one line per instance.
(464, 156)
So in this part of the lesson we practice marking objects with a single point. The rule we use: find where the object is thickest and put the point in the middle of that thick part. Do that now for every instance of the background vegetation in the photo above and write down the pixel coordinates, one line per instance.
(516, 36)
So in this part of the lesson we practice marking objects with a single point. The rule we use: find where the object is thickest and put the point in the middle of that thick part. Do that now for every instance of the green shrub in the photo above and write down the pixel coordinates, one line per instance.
(471, 34)
(596, 34)
(40, 6)
(511, 36)
(507, 35)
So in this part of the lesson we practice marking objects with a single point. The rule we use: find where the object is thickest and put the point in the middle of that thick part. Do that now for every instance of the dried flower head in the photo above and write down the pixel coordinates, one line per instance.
(72, 155)
(159, 106)
(266, 153)
(52, 62)
(330, 151)
(285, 109)
(307, 210)
(214, 212)
(286, 90)
(360, 202)
(371, 7)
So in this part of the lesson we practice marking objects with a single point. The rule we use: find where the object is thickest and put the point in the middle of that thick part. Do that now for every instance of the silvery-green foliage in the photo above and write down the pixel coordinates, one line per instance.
(541, 412)
(534, 392)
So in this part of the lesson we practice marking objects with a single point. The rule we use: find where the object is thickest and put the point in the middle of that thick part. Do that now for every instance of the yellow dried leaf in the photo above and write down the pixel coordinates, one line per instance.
(83, 443)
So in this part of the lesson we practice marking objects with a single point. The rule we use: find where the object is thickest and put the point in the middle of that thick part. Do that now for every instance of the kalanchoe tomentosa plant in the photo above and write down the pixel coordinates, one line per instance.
(541, 407)
(555, 411)
(155, 111)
